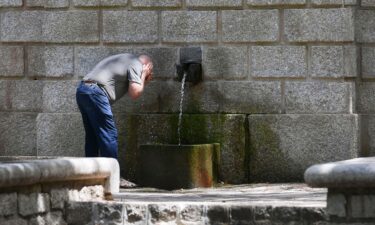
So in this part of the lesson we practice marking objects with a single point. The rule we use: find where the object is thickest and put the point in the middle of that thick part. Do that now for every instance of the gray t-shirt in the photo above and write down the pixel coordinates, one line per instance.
(114, 73)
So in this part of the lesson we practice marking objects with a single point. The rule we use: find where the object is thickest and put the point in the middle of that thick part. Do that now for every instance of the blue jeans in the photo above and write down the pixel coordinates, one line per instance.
(100, 128)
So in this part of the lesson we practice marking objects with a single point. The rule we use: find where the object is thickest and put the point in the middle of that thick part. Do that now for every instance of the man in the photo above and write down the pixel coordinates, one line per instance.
(109, 80)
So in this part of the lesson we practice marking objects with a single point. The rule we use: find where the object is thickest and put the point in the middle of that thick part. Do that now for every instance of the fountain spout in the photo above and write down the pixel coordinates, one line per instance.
(190, 64)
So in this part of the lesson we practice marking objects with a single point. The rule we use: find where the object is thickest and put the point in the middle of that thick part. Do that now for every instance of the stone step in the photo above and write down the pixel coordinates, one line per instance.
(241, 204)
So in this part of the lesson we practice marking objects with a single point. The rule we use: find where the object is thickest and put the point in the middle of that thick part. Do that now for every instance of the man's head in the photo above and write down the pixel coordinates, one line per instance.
(147, 64)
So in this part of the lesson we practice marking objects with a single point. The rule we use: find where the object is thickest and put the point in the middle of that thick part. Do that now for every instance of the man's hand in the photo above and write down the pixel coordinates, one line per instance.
(147, 72)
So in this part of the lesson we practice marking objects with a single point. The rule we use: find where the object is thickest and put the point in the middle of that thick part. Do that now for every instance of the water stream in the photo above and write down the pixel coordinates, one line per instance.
(181, 105)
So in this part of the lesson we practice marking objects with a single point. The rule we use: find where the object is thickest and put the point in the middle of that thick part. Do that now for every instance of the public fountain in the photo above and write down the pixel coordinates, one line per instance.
(178, 166)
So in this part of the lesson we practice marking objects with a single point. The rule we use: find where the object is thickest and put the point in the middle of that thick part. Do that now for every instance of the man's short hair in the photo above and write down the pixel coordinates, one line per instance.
(146, 57)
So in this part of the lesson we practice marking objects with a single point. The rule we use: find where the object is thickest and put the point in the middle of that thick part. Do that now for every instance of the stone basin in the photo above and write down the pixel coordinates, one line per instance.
(173, 167)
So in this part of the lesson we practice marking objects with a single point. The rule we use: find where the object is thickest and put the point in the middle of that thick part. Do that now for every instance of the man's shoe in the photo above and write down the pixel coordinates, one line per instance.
(126, 184)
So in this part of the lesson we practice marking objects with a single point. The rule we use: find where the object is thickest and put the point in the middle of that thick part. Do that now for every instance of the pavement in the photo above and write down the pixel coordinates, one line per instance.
(291, 195)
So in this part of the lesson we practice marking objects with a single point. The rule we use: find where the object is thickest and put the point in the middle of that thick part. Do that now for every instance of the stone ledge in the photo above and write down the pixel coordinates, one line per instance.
(354, 173)
(25, 171)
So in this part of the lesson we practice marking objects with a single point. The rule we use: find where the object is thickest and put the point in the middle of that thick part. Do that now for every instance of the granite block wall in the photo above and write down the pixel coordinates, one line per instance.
(287, 83)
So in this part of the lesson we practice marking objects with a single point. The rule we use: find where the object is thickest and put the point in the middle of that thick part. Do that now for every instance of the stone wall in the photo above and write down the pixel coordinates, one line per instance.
(282, 79)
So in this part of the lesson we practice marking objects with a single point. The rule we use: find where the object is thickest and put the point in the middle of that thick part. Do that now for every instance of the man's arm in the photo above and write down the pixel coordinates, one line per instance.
(135, 89)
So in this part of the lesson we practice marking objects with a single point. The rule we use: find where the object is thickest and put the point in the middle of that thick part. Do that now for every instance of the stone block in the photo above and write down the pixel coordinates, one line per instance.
(91, 3)
(262, 213)
(284, 146)
(286, 213)
(218, 214)
(18, 26)
(189, 26)
(192, 214)
(78, 213)
(50, 61)
(334, 2)
(336, 205)
(333, 61)
(305, 25)
(130, 26)
(275, 2)
(164, 59)
(367, 3)
(59, 197)
(18, 134)
(225, 62)
(50, 26)
(314, 214)
(200, 98)
(250, 25)
(60, 96)
(26, 95)
(160, 213)
(109, 213)
(241, 214)
(250, 97)
(278, 61)
(157, 3)
(366, 98)
(368, 62)
(362, 206)
(136, 214)
(48, 3)
(14, 221)
(8, 204)
(10, 3)
(11, 63)
(53, 218)
(60, 134)
(318, 97)
(34, 203)
(72, 26)
(228, 130)
(368, 135)
(365, 22)
(215, 3)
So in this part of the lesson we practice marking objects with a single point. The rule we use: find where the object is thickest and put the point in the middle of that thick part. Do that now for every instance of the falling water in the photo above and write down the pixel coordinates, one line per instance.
(181, 101)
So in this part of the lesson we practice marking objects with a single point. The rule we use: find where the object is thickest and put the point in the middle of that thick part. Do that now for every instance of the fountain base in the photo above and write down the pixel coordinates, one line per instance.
(178, 166)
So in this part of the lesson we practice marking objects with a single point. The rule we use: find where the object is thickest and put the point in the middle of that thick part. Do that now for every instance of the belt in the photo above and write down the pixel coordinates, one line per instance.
(89, 82)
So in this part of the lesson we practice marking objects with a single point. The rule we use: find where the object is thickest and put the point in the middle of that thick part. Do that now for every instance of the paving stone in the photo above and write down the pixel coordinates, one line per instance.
(159, 213)
(214, 3)
(136, 214)
(130, 26)
(34, 203)
(334, 61)
(305, 25)
(189, 26)
(295, 142)
(11, 63)
(251, 97)
(164, 59)
(78, 213)
(368, 62)
(58, 198)
(217, 214)
(48, 3)
(250, 25)
(275, 2)
(278, 61)
(8, 204)
(365, 22)
(334, 2)
(56, 61)
(156, 3)
(10, 3)
(109, 213)
(90, 3)
(60, 134)
(18, 134)
(366, 98)
(60, 96)
(318, 97)
(225, 62)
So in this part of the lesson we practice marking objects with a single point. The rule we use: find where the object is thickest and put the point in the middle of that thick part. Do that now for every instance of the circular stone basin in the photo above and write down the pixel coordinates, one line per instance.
(178, 166)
